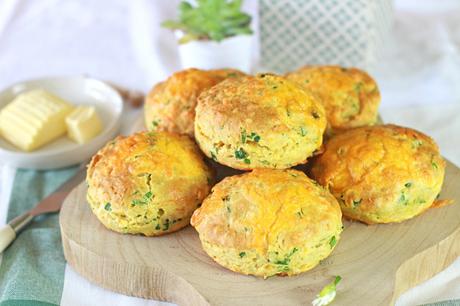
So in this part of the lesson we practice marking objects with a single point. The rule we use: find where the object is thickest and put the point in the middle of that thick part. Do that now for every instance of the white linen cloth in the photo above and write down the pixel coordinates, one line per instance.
(121, 41)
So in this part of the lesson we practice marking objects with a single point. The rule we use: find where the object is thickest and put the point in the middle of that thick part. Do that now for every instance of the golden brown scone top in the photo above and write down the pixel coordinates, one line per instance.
(350, 96)
(268, 222)
(267, 202)
(264, 121)
(170, 105)
(381, 174)
(148, 183)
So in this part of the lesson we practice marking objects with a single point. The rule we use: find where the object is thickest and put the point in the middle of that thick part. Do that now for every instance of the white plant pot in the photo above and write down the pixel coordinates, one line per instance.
(233, 52)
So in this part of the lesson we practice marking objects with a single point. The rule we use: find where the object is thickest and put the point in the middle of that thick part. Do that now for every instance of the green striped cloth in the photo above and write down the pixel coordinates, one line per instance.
(32, 268)
(445, 303)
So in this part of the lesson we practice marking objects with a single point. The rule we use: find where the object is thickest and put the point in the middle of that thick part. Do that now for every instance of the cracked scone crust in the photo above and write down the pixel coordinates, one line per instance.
(170, 105)
(350, 96)
(148, 183)
(264, 121)
(381, 174)
(268, 222)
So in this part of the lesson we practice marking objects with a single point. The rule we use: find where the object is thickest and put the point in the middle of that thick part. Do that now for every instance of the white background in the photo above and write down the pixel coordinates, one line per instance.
(121, 41)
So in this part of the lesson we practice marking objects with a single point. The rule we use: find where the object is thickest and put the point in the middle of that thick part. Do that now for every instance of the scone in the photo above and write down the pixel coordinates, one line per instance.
(381, 174)
(170, 105)
(268, 222)
(349, 95)
(264, 121)
(148, 183)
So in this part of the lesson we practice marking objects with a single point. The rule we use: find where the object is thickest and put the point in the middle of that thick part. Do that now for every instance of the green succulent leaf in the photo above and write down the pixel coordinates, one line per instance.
(210, 20)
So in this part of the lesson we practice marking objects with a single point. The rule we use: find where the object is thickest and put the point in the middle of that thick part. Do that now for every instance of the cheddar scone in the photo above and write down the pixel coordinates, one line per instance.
(381, 174)
(147, 183)
(264, 121)
(268, 222)
(170, 105)
(349, 95)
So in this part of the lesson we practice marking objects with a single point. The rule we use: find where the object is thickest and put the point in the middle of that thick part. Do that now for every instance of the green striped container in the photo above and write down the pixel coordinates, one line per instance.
(294, 33)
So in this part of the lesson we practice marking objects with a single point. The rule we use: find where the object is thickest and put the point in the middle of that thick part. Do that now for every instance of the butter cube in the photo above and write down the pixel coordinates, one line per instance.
(83, 124)
(33, 119)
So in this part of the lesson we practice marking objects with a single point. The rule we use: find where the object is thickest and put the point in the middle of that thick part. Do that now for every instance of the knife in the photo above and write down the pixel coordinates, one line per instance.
(50, 204)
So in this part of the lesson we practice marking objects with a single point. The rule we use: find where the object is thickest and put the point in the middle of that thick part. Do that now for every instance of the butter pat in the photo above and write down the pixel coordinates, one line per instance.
(33, 119)
(83, 124)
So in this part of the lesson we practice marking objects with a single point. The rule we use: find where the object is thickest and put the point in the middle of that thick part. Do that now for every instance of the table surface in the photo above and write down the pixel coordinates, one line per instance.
(419, 77)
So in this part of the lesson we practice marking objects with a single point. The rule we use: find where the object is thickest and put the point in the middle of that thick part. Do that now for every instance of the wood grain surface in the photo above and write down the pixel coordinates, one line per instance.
(377, 263)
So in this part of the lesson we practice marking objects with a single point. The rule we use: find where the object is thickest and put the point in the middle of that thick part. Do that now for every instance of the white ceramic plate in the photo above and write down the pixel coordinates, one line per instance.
(63, 151)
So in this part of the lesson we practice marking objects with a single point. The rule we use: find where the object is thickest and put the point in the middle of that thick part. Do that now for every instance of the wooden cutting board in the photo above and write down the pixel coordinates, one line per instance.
(377, 263)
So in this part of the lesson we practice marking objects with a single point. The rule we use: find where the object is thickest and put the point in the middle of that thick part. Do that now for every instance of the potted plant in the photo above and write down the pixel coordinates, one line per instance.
(213, 34)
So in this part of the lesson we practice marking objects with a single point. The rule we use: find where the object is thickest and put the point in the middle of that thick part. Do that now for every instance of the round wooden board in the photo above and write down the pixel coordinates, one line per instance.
(377, 263)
